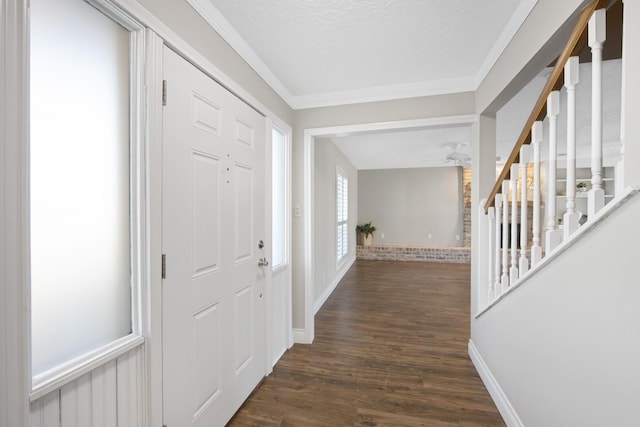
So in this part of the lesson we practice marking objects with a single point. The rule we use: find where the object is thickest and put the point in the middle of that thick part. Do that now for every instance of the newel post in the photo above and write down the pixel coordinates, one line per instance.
(597, 36)
(571, 78)
(536, 139)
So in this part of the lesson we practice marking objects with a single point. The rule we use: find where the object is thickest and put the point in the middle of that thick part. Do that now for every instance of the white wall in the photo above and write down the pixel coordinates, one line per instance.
(564, 346)
(327, 271)
(408, 205)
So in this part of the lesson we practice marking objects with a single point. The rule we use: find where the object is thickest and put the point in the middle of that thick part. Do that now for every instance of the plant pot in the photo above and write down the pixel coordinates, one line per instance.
(367, 240)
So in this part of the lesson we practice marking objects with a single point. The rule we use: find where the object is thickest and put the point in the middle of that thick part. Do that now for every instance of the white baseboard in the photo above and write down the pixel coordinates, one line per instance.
(332, 286)
(508, 413)
(300, 336)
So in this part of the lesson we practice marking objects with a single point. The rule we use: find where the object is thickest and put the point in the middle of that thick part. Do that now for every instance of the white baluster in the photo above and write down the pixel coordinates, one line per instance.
(513, 271)
(553, 110)
(491, 234)
(536, 139)
(597, 36)
(497, 288)
(505, 236)
(524, 226)
(571, 78)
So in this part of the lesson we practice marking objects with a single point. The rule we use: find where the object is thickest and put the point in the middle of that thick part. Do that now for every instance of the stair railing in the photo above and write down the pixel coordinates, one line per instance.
(503, 237)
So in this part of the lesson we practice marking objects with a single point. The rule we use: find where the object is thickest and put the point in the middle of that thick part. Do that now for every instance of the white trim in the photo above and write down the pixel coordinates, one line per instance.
(219, 23)
(608, 209)
(507, 411)
(152, 291)
(267, 250)
(14, 213)
(184, 49)
(309, 250)
(300, 336)
(210, 13)
(287, 131)
(309, 221)
(517, 19)
(60, 375)
(385, 93)
(346, 265)
(68, 371)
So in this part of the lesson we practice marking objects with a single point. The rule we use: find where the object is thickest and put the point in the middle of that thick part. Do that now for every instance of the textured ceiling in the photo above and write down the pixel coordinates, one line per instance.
(407, 148)
(329, 52)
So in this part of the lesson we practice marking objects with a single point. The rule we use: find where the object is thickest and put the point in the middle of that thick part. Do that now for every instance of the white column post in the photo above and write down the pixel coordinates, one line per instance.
(513, 271)
(497, 257)
(571, 78)
(491, 236)
(628, 170)
(597, 36)
(505, 236)
(524, 226)
(536, 139)
(553, 237)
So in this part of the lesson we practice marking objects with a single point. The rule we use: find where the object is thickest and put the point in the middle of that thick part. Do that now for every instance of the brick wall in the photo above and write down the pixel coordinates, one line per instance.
(401, 253)
(466, 207)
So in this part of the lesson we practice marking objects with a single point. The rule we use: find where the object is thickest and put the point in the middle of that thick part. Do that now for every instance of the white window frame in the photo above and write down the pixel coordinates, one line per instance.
(342, 222)
(57, 377)
(287, 198)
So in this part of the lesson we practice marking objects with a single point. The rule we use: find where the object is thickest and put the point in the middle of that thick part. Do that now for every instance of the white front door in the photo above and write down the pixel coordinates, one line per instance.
(213, 219)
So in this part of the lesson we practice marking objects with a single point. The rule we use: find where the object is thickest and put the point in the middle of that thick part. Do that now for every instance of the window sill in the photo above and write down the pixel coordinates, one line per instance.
(59, 376)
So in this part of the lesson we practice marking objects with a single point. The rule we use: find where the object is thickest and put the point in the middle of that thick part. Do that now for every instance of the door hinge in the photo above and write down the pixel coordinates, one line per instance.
(164, 266)
(164, 93)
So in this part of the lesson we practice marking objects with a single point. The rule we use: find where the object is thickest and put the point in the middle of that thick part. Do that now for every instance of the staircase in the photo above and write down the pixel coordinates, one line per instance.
(556, 324)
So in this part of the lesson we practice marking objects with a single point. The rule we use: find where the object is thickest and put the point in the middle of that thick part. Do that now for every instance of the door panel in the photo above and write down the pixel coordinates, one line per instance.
(213, 305)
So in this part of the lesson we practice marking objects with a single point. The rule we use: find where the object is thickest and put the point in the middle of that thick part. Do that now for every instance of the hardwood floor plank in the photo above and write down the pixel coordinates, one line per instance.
(390, 349)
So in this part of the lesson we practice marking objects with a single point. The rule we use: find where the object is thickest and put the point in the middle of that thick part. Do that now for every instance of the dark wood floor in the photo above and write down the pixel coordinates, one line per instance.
(390, 349)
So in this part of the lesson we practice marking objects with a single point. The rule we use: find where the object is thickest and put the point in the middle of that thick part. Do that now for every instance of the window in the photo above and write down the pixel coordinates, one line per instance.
(83, 191)
(342, 208)
(279, 197)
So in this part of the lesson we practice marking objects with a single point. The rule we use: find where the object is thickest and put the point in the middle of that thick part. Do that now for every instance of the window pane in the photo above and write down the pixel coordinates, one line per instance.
(279, 198)
(80, 209)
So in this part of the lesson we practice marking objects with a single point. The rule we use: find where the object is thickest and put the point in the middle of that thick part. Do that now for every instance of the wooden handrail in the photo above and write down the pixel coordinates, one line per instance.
(554, 82)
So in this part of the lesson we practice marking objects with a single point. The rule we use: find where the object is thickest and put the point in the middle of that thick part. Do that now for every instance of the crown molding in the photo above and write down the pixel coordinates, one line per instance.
(382, 93)
(214, 18)
(385, 93)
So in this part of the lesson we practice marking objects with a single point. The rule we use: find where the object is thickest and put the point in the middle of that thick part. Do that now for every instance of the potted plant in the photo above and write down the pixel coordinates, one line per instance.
(366, 232)
(581, 186)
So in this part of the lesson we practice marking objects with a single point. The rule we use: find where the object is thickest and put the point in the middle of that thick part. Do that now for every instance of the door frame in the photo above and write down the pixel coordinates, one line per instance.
(158, 36)
(306, 335)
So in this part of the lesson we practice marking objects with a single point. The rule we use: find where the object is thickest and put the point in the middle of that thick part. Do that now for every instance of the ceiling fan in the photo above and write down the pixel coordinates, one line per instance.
(456, 157)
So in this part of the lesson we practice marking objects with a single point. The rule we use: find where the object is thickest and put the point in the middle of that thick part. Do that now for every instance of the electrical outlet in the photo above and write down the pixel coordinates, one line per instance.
(457, 237)
(429, 236)
(382, 235)
(297, 211)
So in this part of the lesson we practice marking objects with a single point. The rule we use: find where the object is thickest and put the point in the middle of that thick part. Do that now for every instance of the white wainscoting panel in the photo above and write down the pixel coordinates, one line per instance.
(111, 395)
